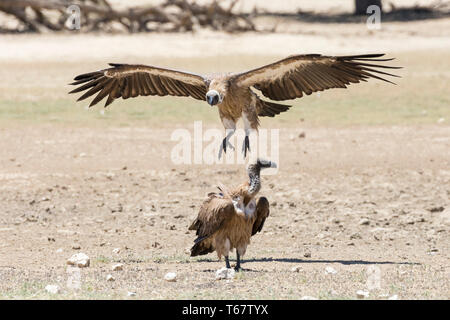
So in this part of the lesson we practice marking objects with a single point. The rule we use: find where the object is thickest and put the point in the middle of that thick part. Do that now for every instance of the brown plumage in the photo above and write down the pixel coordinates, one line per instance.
(228, 219)
(286, 79)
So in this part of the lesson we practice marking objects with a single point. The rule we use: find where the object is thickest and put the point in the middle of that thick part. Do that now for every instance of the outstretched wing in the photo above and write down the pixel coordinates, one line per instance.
(262, 212)
(294, 76)
(214, 212)
(123, 80)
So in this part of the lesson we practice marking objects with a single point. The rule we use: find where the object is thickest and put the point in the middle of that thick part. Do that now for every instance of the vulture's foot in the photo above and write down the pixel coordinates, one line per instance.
(227, 263)
(224, 145)
(246, 146)
(238, 268)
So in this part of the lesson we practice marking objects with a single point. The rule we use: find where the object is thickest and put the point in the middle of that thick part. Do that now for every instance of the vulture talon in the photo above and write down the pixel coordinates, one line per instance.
(223, 147)
(246, 146)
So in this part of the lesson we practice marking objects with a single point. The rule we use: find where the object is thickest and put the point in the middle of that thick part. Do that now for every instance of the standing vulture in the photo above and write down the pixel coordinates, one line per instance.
(228, 219)
(288, 78)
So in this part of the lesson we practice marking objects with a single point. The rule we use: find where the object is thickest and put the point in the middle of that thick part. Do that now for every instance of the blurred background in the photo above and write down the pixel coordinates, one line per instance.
(47, 42)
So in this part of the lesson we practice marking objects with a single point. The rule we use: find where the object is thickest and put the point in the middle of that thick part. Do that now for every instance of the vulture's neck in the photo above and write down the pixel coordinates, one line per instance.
(254, 181)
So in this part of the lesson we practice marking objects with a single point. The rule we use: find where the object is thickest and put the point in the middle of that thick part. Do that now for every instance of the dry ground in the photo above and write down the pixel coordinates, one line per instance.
(374, 153)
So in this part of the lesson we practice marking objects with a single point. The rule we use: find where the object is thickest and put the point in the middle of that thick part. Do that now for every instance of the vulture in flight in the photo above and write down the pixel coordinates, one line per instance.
(229, 218)
(232, 93)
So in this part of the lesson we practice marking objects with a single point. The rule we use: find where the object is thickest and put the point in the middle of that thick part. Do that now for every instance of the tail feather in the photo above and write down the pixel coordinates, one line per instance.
(270, 109)
(201, 247)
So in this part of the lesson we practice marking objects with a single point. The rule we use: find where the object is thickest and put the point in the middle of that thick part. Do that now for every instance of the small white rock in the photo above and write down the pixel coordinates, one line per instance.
(80, 260)
(116, 250)
(117, 267)
(361, 294)
(60, 250)
(441, 120)
(53, 289)
(394, 297)
(225, 273)
(296, 269)
(330, 270)
(171, 277)
(110, 278)
(131, 294)
(364, 222)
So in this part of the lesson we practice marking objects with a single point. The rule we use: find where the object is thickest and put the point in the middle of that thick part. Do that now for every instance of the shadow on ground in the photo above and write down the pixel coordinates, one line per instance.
(295, 260)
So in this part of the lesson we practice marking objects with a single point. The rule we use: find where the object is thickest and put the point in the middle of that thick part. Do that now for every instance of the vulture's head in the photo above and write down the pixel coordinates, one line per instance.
(260, 164)
(216, 92)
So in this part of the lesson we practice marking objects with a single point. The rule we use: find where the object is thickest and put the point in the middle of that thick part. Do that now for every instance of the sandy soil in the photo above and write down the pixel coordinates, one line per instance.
(351, 198)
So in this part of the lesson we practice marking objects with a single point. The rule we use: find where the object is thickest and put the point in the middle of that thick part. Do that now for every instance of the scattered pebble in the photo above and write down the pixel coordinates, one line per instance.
(225, 273)
(394, 297)
(361, 294)
(335, 220)
(330, 270)
(76, 246)
(131, 294)
(296, 269)
(355, 235)
(364, 222)
(171, 277)
(53, 289)
(80, 260)
(110, 278)
(60, 250)
(117, 267)
(116, 250)
(307, 254)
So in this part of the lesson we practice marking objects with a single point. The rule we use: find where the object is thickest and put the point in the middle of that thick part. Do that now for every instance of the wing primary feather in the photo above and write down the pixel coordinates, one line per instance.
(88, 75)
(103, 93)
(92, 91)
(373, 65)
(381, 72)
(377, 77)
(86, 86)
(363, 56)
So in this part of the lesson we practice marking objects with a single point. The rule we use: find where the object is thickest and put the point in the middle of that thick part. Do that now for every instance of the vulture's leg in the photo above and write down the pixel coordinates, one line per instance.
(250, 125)
(238, 262)
(246, 146)
(225, 143)
(227, 263)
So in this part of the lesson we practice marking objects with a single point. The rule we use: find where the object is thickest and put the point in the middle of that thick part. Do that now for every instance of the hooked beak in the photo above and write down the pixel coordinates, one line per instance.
(266, 164)
(213, 97)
